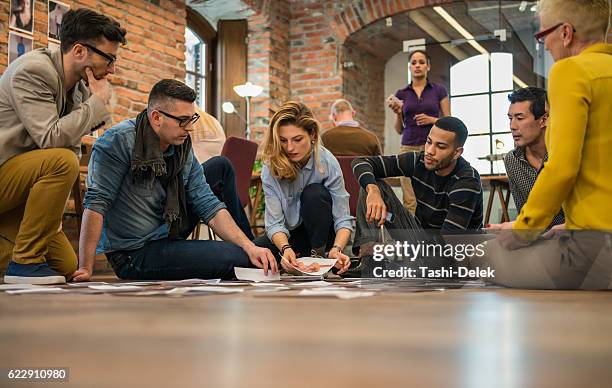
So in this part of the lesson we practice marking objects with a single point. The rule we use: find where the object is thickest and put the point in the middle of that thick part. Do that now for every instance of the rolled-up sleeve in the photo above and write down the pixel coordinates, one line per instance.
(274, 217)
(340, 197)
(107, 167)
(203, 201)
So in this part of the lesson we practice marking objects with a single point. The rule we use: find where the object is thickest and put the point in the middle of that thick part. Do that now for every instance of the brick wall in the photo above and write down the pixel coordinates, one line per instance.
(310, 68)
(268, 61)
(155, 48)
(364, 86)
(4, 23)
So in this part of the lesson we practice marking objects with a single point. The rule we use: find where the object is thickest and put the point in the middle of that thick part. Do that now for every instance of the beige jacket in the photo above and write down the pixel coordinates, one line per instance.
(35, 110)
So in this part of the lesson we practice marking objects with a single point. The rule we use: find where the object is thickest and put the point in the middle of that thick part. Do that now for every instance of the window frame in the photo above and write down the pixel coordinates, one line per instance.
(491, 133)
(202, 28)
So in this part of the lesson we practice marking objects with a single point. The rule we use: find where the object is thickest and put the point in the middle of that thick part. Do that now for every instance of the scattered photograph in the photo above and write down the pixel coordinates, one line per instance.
(21, 15)
(19, 44)
(56, 15)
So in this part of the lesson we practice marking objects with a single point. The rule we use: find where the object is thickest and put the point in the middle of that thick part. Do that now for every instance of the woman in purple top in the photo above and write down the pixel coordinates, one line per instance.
(417, 107)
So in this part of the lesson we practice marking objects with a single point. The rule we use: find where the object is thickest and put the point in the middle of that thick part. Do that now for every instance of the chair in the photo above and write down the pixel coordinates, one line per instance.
(242, 154)
(350, 182)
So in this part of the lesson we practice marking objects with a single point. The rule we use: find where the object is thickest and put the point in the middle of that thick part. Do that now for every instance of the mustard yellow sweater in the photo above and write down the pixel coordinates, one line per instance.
(578, 174)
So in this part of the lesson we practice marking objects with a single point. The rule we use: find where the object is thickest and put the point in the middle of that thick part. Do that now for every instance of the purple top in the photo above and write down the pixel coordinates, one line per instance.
(429, 103)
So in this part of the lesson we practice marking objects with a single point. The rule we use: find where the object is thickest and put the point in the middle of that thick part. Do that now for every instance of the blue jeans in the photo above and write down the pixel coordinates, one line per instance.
(183, 259)
(221, 178)
(179, 259)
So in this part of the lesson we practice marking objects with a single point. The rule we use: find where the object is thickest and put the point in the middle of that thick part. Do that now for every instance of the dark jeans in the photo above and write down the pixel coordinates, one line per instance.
(404, 227)
(221, 178)
(179, 259)
(317, 229)
(400, 229)
(183, 259)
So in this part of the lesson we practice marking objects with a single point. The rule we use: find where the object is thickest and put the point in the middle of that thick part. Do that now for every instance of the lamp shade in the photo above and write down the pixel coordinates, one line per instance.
(248, 90)
(228, 107)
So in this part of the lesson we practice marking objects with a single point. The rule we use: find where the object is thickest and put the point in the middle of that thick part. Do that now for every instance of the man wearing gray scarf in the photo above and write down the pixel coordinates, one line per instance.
(146, 192)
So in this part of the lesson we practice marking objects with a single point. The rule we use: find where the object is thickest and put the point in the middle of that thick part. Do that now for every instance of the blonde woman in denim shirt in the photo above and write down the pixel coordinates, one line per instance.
(307, 206)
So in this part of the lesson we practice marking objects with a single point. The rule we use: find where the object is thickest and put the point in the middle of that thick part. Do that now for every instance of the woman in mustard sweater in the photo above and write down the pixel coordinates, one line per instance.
(578, 174)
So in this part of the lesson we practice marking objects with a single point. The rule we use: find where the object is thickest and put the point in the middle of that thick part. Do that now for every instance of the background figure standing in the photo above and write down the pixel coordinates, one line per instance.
(417, 108)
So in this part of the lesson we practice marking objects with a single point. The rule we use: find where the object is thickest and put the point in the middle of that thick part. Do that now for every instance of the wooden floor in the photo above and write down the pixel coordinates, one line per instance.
(453, 338)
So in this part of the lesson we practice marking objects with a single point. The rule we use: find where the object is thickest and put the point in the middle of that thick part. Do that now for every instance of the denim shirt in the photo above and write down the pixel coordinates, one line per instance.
(133, 210)
(283, 197)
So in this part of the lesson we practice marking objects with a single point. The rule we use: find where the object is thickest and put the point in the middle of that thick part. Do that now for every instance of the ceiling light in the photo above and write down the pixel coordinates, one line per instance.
(470, 38)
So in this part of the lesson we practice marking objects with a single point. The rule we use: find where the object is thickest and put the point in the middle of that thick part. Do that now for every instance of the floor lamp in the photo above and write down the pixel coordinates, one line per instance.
(247, 91)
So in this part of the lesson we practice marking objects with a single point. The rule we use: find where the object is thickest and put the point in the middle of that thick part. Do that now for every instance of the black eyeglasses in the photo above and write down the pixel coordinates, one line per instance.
(183, 121)
(540, 36)
(111, 59)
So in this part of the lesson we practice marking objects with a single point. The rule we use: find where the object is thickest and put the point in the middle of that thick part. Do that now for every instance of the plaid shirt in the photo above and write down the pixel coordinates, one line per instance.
(522, 176)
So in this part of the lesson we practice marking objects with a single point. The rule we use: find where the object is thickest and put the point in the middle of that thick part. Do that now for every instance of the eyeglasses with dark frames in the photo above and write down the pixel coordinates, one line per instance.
(183, 121)
(110, 58)
(540, 36)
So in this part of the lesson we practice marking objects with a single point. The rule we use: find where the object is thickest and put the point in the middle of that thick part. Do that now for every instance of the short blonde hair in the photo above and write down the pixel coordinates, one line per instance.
(275, 157)
(590, 18)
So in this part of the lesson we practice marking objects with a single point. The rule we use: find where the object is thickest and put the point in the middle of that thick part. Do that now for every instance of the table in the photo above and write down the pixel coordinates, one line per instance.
(497, 184)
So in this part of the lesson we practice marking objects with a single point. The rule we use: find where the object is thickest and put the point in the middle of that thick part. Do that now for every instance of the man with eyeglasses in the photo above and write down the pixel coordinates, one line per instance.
(146, 193)
(578, 173)
(50, 99)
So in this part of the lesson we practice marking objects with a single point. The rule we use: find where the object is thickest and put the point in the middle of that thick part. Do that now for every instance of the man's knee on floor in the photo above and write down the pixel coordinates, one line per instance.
(315, 193)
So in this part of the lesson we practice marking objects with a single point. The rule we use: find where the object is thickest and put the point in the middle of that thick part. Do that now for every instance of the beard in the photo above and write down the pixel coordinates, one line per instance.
(441, 164)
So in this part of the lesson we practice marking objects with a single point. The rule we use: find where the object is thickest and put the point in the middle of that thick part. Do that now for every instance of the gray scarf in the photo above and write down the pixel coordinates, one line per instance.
(148, 163)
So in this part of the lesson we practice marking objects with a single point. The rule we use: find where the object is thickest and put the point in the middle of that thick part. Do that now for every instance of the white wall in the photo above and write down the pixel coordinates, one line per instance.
(396, 77)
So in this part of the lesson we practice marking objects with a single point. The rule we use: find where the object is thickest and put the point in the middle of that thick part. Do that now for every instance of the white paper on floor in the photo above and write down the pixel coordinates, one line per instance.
(318, 283)
(5, 287)
(337, 294)
(255, 274)
(191, 282)
(271, 289)
(266, 284)
(140, 284)
(41, 290)
(109, 288)
(221, 290)
(325, 266)
(87, 284)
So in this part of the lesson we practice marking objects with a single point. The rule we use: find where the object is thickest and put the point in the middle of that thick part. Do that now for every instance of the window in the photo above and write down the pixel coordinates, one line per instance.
(195, 65)
(200, 45)
(479, 96)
